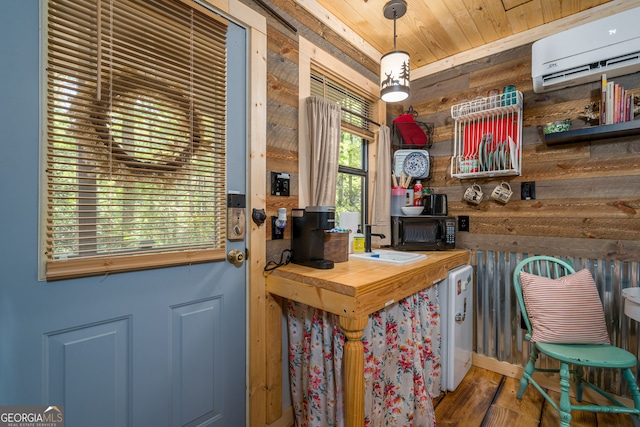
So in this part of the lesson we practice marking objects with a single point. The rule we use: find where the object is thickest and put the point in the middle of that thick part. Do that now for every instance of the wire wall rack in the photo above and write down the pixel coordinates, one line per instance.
(412, 134)
(488, 136)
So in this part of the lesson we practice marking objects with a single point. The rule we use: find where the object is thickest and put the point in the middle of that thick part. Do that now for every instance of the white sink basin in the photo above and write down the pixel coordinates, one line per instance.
(389, 257)
(632, 302)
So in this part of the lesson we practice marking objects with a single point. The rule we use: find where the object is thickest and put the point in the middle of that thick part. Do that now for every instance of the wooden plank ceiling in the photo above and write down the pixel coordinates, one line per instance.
(432, 30)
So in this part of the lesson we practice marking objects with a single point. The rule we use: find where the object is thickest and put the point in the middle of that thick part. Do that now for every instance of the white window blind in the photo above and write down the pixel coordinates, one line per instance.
(135, 141)
(351, 102)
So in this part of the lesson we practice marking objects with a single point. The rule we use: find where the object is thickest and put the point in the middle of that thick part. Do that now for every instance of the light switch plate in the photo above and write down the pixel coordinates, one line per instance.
(528, 190)
(280, 183)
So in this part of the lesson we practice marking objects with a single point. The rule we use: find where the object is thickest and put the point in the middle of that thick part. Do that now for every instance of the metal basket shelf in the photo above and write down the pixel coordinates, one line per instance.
(398, 141)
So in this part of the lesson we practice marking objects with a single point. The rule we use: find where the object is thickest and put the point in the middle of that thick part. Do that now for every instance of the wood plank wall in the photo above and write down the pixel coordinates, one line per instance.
(587, 194)
(282, 95)
(282, 127)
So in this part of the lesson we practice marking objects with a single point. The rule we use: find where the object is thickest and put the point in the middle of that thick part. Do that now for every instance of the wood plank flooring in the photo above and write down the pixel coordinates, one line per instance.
(488, 399)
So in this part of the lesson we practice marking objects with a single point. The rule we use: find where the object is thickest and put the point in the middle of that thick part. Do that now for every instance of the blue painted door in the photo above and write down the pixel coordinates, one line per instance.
(163, 347)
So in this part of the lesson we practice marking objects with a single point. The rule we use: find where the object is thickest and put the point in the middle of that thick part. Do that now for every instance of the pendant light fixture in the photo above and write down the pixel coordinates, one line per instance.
(394, 66)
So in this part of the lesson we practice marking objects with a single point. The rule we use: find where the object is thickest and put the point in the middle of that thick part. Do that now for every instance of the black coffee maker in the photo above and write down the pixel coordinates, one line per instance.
(307, 241)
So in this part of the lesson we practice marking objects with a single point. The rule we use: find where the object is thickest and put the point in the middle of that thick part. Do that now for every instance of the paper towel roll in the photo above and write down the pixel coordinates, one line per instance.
(350, 221)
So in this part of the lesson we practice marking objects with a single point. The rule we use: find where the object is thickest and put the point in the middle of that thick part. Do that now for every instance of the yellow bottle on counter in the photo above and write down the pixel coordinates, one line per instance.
(358, 241)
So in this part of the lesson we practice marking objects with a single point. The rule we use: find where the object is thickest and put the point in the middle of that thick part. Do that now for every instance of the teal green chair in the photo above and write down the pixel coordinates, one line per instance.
(573, 358)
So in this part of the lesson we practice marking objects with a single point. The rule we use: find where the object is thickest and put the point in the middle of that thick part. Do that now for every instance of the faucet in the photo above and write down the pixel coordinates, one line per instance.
(367, 237)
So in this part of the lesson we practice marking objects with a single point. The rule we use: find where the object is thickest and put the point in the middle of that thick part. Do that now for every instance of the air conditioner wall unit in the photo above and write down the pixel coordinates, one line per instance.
(582, 54)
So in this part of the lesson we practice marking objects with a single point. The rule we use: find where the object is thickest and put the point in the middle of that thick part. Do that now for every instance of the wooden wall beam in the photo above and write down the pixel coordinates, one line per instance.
(618, 250)
(273, 366)
(353, 47)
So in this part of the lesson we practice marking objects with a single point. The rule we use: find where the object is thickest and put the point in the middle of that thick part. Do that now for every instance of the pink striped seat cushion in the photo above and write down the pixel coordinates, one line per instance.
(567, 310)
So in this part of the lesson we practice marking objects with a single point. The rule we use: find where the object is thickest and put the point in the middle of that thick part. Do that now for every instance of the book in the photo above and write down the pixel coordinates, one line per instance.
(603, 98)
(610, 101)
(616, 102)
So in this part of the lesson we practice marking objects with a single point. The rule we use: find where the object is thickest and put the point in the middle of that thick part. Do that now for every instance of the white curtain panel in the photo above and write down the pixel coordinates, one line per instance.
(381, 212)
(324, 137)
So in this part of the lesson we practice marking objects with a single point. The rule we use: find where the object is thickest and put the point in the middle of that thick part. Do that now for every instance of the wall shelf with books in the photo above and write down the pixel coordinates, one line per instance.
(617, 103)
(593, 133)
(618, 114)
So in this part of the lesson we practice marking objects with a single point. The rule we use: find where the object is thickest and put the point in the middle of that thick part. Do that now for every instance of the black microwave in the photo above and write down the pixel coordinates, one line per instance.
(423, 233)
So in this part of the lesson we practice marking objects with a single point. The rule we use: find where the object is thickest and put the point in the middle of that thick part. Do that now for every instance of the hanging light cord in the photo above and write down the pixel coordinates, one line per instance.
(395, 15)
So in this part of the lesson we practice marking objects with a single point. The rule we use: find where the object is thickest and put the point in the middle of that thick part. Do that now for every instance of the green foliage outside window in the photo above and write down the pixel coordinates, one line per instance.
(351, 175)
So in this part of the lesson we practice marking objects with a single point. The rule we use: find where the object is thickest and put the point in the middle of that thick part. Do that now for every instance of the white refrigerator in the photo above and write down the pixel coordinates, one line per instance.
(455, 295)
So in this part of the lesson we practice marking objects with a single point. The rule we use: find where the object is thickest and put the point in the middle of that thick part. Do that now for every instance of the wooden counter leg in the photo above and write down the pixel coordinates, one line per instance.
(353, 368)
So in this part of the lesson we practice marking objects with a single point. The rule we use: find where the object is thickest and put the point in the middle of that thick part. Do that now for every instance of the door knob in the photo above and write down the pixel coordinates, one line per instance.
(235, 257)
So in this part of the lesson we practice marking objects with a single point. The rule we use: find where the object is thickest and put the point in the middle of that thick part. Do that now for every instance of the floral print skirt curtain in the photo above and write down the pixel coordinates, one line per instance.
(402, 363)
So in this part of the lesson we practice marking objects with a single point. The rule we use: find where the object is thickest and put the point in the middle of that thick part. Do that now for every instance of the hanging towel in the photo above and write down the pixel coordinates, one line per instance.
(381, 212)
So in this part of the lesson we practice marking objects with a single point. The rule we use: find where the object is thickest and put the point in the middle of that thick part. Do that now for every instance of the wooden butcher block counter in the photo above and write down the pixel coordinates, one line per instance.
(353, 290)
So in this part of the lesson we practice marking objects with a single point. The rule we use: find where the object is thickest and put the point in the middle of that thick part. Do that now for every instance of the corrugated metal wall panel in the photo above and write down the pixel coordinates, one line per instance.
(498, 331)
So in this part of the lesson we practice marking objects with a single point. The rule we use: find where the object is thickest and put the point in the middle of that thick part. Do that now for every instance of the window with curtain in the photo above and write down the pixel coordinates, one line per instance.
(351, 194)
(135, 136)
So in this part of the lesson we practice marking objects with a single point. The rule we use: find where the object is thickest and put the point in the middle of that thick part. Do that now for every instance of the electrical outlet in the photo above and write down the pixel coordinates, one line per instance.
(463, 223)
(528, 190)
(276, 233)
